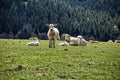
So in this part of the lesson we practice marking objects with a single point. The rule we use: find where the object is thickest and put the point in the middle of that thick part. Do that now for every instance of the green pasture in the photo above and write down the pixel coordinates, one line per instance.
(97, 61)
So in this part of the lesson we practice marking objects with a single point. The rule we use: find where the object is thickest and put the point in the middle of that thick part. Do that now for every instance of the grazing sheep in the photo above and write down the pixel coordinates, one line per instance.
(117, 41)
(81, 41)
(53, 34)
(34, 43)
(64, 44)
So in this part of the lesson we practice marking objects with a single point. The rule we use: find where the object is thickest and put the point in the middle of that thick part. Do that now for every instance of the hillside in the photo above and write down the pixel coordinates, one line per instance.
(94, 19)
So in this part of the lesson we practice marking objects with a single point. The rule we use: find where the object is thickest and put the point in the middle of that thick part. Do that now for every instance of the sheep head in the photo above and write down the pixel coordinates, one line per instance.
(67, 37)
(51, 26)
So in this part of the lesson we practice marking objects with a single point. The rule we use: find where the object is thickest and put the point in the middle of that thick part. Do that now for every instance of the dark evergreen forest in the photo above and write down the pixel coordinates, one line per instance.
(93, 19)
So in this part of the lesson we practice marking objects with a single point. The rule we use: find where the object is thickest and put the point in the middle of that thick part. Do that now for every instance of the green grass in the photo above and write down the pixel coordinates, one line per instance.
(97, 61)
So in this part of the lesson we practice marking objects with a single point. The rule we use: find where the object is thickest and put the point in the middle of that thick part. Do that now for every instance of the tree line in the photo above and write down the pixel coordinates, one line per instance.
(93, 19)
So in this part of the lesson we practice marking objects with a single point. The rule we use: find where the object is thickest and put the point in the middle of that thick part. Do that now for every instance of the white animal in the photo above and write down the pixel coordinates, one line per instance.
(34, 43)
(117, 41)
(110, 41)
(75, 41)
(53, 34)
(64, 44)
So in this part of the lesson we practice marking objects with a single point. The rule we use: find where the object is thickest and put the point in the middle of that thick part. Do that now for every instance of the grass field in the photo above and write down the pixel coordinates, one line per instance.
(97, 61)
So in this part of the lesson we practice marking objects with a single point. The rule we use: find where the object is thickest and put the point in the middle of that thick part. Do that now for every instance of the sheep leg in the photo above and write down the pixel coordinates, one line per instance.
(54, 43)
(78, 44)
(50, 43)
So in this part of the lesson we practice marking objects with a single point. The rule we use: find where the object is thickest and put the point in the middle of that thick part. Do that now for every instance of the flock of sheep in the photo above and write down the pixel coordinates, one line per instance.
(53, 35)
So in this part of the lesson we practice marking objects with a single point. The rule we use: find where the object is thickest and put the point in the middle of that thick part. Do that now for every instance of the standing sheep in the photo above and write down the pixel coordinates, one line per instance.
(52, 34)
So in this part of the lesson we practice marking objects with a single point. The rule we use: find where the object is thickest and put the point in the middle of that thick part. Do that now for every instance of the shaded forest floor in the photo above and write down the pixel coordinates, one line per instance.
(97, 61)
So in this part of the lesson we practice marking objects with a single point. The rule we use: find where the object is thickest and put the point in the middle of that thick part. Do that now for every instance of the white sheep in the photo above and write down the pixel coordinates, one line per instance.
(117, 41)
(53, 34)
(110, 41)
(34, 43)
(64, 44)
(75, 41)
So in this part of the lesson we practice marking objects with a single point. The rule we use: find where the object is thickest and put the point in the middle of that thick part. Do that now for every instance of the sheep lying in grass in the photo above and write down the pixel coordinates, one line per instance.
(110, 41)
(34, 43)
(64, 44)
(75, 41)
(53, 34)
(117, 41)
(81, 41)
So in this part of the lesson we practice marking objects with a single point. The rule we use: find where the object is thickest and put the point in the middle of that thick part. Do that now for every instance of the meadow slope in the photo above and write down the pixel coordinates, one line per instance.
(97, 61)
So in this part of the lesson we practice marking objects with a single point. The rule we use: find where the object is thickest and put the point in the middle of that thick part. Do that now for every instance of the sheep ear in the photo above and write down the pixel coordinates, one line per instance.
(47, 24)
(55, 25)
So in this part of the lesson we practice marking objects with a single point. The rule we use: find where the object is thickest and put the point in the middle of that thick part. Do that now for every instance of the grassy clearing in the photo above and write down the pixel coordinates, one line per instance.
(98, 61)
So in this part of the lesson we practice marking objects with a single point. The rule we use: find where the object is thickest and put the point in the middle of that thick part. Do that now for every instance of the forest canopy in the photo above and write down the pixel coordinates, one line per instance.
(93, 19)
